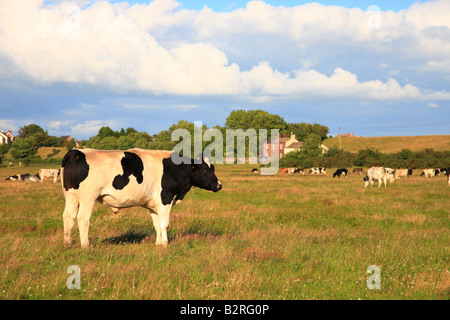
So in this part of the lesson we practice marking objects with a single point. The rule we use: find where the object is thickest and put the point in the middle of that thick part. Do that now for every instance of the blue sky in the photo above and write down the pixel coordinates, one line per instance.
(72, 67)
(221, 5)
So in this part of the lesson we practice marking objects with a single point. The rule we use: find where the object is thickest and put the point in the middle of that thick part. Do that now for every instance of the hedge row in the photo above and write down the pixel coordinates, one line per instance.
(335, 158)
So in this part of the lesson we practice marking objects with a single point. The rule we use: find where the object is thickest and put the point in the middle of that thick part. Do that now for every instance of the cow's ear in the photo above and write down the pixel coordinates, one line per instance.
(206, 160)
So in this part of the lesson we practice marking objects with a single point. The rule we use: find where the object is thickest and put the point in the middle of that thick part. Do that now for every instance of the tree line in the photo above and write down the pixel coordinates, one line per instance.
(335, 158)
(31, 137)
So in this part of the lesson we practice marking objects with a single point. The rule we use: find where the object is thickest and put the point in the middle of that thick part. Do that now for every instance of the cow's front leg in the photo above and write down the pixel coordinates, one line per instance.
(69, 215)
(155, 219)
(163, 217)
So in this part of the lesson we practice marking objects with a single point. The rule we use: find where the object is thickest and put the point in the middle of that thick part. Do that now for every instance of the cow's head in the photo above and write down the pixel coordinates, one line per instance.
(390, 175)
(203, 174)
(366, 181)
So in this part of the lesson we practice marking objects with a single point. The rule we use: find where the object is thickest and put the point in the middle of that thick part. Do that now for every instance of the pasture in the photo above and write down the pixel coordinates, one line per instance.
(281, 237)
(390, 144)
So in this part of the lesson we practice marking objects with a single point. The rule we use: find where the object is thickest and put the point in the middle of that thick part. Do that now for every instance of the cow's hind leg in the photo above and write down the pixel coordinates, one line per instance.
(69, 215)
(83, 218)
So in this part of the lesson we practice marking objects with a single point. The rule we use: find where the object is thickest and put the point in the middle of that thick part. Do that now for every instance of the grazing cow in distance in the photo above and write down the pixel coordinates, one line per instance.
(380, 174)
(391, 171)
(340, 172)
(29, 177)
(24, 177)
(49, 173)
(14, 177)
(359, 171)
(428, 172)
(318, 171)
(153, 179)
(443, 171)
(298, 170)
(255, 170)
(401, 173)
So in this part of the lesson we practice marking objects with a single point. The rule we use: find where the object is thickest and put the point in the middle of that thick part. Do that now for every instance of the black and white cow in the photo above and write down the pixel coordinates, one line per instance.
(30, 177)
(318, 171)
(428, 172)
(379, 174)
(121, 179)
(340, 172)
(49, 173)
(15, 177)
(448, 176)
(24, 177)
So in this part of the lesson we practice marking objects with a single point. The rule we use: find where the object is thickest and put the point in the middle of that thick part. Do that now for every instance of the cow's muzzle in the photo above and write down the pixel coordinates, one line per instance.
(218, 187)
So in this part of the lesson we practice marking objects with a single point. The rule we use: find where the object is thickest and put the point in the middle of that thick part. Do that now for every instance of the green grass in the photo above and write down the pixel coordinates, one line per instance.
(261, 237)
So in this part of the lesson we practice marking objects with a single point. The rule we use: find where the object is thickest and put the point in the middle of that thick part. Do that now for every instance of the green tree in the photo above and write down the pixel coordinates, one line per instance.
(106, 132)
(4, 148)
(255, 119)
(311, 146)
(71, 144)
(29, 130)
(42, 138)
(23, 148)
(303, 129)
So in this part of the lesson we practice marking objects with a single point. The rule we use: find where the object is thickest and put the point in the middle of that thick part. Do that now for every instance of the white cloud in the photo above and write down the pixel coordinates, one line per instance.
(6, 125)
(160, 49)
(88, 128)
(55, 125)
(432, 105)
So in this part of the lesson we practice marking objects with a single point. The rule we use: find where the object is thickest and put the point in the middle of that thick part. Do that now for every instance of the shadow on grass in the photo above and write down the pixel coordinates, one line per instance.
(133, 235)
(137, 234)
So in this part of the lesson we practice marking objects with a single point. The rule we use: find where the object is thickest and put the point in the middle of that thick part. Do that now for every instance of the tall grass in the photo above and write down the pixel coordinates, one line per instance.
(261, 237)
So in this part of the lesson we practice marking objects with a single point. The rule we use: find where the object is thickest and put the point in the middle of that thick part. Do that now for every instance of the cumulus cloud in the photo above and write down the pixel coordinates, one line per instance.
(88, 128)
(6, 124)
(159, 48)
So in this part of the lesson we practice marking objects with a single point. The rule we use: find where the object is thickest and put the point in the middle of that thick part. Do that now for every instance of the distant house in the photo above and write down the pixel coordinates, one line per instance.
(6, 138)
(284, 145)
(69, 138)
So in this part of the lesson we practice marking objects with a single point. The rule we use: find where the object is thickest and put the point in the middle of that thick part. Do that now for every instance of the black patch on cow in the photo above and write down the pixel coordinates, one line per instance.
(132, 165)
(76, 169)
(176, 180)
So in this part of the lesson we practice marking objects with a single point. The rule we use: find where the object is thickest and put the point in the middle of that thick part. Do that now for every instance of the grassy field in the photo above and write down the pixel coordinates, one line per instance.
(391, 144)
(261, 237)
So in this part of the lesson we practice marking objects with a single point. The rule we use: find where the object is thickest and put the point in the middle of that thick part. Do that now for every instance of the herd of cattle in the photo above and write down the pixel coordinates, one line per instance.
(155, 180)
(40, 176)
(380, 174)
